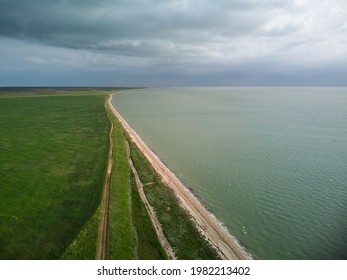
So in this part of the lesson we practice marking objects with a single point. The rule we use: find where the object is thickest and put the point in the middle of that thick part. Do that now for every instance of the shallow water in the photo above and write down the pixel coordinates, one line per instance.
(269, 162)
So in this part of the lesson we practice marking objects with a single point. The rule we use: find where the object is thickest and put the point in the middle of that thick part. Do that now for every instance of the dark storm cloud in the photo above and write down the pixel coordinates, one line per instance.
(222, 41)
(86, 24)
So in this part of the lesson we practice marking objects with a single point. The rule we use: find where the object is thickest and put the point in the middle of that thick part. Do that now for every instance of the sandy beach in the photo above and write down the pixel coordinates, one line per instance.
(226, 245)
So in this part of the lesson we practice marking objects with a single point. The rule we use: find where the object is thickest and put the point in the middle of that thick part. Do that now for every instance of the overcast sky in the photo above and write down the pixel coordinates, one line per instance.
(173, 42)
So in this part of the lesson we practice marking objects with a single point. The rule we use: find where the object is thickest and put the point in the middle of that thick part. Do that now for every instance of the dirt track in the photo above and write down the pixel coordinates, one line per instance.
(165, 244)
(101, 253)
(225, 244)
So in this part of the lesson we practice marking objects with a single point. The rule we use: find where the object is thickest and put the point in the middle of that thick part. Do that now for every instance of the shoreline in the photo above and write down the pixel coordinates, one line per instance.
(226, 245)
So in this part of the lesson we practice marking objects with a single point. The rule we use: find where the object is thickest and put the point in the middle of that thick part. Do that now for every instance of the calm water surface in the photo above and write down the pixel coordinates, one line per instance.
(269, 162)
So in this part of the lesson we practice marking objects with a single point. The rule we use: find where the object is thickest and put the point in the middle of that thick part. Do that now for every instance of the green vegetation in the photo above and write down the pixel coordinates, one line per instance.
(84, 247)
(53, 154)
(178, 228)
(148, 245)
(53, 158)
(122, 240)
(131, 232)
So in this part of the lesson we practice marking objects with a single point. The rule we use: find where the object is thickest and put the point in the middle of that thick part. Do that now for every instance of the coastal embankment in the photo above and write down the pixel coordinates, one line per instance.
(226, 245)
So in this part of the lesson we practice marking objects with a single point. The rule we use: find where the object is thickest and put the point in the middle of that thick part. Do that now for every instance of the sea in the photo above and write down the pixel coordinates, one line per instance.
(269, 162)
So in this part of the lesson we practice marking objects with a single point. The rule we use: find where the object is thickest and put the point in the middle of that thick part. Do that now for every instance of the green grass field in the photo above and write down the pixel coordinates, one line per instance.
(84, 246)
(53, 154)
(53, 158)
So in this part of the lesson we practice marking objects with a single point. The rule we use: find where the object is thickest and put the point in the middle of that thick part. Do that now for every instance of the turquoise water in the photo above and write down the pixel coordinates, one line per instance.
(269, 162)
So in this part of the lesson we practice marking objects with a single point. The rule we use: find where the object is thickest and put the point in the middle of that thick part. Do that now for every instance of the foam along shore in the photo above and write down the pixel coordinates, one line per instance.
(225, 244)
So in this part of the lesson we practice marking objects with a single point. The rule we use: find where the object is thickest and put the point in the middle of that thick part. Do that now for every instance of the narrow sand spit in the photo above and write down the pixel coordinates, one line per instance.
(225, 244)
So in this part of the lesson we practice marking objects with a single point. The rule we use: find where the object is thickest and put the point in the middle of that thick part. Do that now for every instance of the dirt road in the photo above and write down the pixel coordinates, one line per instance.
(101, 253)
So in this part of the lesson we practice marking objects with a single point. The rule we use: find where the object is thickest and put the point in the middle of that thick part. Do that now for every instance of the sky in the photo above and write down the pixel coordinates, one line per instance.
(173, 42)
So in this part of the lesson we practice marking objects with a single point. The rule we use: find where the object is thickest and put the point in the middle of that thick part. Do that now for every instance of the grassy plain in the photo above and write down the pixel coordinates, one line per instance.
(53, 157)
(53, 154)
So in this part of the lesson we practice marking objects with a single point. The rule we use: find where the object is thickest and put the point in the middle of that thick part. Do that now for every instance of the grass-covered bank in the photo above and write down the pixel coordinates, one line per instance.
(84, 246)
(53, 153)
(131, 232)
(148, 245)
(121, 233)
